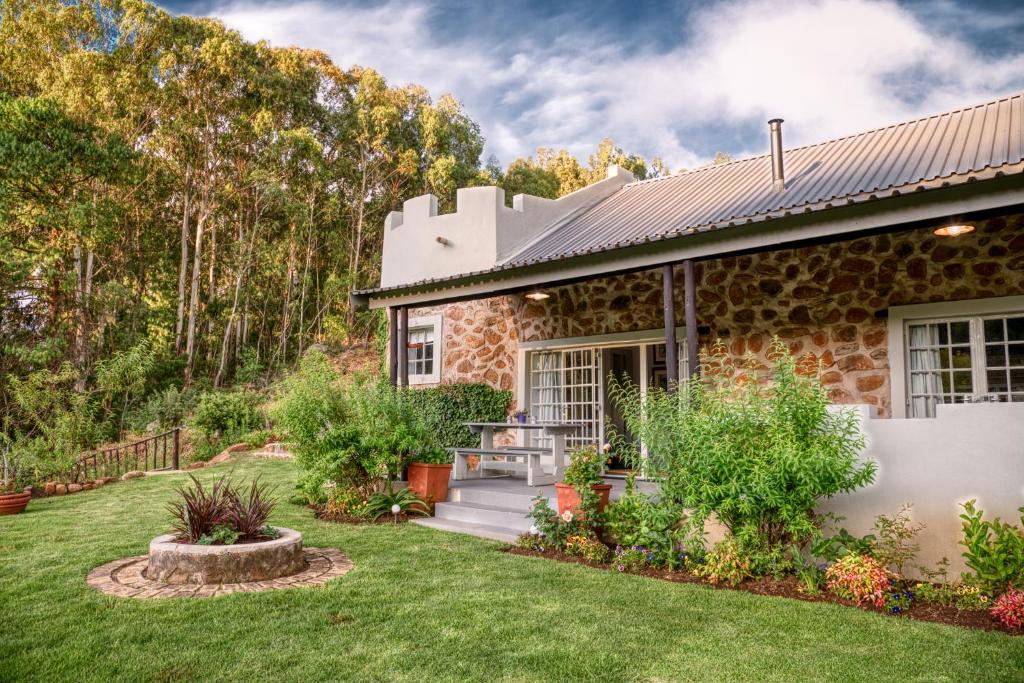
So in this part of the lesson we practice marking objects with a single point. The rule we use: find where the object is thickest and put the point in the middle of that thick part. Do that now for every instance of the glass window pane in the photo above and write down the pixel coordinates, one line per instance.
(995, 355)
(1015, 329)
(943, 332)
(994, 330)
(1015, 354)
(1016, 380)
(962, 382)
(1018, 398)
(996, 381)
(945, 382)
(962, 358)
(960, 332)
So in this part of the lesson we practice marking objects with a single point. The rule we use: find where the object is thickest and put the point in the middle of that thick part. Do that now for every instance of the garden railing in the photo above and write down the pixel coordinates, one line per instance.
(158, 452)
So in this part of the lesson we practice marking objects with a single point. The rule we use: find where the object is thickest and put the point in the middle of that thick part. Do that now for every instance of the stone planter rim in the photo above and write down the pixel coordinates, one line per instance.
(167, 542)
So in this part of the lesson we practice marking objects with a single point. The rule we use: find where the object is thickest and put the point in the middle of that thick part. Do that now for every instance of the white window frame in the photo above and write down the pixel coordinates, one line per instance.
(900, 317)
(641, 338)
(432, 322)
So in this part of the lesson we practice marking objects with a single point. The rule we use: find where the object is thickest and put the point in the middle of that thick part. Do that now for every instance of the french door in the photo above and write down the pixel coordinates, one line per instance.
(565, 386)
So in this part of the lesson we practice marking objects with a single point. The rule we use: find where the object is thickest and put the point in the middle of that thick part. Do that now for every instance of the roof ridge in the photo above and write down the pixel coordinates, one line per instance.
(919, 119)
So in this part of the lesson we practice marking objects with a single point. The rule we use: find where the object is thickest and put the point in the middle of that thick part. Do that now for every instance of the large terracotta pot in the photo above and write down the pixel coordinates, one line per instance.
(430, 482)
(13, 503)
(568, 499)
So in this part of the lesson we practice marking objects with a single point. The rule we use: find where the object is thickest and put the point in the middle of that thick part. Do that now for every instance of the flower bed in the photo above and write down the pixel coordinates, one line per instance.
(790, 587)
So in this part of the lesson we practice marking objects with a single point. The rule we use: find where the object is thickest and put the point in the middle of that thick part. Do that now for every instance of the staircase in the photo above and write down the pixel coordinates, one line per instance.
(495, 510)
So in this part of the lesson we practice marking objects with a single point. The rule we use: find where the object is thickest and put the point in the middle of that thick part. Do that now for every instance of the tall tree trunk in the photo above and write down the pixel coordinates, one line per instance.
(83, 292)
(179, 326)
(193, 308)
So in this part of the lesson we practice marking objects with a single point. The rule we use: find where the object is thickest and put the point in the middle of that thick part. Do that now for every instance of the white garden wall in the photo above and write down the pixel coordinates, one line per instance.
(966, 451)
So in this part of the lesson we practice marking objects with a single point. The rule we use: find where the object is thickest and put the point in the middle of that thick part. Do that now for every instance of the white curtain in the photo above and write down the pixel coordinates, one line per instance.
(925, 386)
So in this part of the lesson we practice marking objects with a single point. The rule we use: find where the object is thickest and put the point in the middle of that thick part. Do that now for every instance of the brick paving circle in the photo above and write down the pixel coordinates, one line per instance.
(126, 578)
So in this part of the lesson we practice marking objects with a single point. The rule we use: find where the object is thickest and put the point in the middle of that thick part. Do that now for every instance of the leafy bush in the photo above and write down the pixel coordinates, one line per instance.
(895, 545)
(757, 456)
(637, 519)
(221, 515)
(445, 408)
(1009, 609)
(166, 409)
(589, 549)
(380, 504)
(725, 563)
(553, 530)
(994, 550)
(356, 434)
(632, 559)
(861, 578)
(584, 469)
(223, 413)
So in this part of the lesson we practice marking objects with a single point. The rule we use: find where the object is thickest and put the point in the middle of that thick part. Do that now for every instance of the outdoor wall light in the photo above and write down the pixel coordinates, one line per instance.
(538, 295)
(954, 230)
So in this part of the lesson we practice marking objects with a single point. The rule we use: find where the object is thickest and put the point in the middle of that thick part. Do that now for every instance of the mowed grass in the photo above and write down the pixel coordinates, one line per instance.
(423, 606)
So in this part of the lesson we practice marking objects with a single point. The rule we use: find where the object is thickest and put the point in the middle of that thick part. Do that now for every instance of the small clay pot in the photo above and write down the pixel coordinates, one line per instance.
(430, 482)
(568, 499)
(13, 503)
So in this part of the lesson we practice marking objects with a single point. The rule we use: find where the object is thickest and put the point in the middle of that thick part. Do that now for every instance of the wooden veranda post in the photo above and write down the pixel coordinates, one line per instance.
(393, 346)
(176, 450)
(690, 301)
(671, 348)
(403, 346)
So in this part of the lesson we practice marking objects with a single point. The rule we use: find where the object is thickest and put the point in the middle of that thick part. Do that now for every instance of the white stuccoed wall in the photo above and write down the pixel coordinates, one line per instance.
(481, 233)
(967, 451)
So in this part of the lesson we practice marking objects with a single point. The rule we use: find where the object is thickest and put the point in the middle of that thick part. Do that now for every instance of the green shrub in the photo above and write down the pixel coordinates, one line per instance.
(227, 412)
(590, 549)
(446, 407)
(166, 409)
(351, 434)
(727, 563)
(994, 550)
(637, 519)
(758, 456)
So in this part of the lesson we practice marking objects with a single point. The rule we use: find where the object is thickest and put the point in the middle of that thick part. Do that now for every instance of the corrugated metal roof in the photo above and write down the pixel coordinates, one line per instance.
(957, 147)
(945, 147)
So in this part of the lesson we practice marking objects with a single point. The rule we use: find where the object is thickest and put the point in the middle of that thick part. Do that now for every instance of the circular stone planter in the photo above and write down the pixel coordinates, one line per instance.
(171, 562)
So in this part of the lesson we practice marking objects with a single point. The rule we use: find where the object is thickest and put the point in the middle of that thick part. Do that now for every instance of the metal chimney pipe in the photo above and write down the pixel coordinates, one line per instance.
(778, 177)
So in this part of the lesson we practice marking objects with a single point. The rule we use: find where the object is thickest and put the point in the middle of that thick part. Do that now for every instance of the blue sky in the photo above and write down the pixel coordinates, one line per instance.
(681, 80)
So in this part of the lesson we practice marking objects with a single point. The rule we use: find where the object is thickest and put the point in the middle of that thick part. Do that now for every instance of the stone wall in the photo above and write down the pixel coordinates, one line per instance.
(829, 303)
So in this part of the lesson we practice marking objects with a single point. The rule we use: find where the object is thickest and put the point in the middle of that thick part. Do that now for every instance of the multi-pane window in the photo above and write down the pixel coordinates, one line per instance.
(564, 387)
(961, 360)
(421, 351)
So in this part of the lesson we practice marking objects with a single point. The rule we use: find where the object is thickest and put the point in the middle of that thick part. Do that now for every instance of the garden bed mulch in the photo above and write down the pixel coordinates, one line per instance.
(352, 519)
(789, 588)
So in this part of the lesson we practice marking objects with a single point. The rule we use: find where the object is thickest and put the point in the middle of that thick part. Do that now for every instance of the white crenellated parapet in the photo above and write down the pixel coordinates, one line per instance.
(419, 244)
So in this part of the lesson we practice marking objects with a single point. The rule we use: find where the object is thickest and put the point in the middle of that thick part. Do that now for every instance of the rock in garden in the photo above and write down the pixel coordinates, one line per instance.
(50, 488)
(195, 465)
(75, 488)
(134, 474)
(60, 489)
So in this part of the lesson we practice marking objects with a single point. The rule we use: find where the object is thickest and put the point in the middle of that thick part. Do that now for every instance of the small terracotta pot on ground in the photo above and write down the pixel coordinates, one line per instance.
(568, 499)
(430, 482)
(13, 503)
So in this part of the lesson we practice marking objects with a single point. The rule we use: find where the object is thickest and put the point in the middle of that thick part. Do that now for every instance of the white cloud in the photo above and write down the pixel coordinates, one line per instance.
(829, 67)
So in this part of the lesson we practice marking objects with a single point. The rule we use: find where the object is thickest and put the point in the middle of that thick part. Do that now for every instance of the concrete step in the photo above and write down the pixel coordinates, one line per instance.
(489, 515)
(482, 496)
(479, 530)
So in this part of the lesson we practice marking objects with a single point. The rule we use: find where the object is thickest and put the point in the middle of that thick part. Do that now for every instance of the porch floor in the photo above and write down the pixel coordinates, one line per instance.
(496, 507)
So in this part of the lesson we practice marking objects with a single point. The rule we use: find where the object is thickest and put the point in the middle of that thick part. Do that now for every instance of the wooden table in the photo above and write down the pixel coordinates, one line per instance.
(530, 457)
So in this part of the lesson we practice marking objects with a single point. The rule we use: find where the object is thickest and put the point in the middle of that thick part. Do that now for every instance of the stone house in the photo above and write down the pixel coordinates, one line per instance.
(893, 258)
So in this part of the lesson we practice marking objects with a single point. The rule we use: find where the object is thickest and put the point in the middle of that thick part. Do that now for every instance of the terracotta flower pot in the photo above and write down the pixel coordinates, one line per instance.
(13, 503)
(568, 499)
(430, 482)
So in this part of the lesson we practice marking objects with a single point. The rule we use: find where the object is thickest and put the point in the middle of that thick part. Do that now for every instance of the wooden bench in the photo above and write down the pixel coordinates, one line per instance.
(515, 459)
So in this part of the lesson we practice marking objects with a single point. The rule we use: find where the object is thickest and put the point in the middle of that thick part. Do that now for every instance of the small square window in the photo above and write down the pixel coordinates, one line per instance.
(423, 350)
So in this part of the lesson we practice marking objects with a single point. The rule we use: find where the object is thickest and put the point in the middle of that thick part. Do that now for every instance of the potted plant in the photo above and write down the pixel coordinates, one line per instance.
(429, 474)
(584, 472)
(520, 416)
(13, 498)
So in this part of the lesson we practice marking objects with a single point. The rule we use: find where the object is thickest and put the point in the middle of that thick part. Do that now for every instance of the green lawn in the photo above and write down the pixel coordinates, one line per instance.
(424, 605)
